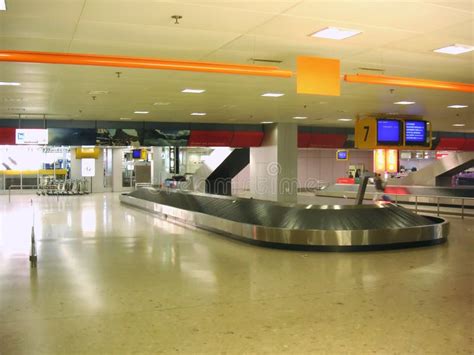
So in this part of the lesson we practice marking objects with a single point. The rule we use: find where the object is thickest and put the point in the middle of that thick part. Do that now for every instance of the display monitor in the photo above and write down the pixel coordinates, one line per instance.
(388, 132)
(416, 132)
(137, 154)
(342, 155)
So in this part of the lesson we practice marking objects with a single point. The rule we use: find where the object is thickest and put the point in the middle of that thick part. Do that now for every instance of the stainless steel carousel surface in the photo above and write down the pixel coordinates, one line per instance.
(303, 227)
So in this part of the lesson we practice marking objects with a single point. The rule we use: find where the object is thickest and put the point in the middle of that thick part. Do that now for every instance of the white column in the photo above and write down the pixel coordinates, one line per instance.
(273, 165)
(98, 179)
(158, 167)
(117, 181)
(75, 165)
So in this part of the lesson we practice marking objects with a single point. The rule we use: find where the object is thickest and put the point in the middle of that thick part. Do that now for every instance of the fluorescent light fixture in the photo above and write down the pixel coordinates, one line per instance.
(345, 119)
(193, 91)
(335, 33)
(272, 94)
(3, 5)
(266, 122)
(300, 117)
(459, 125)
(161, 103)
(125, 118)
(455, 49)
(404, 103)
(142, 112)
(198, 114)
(457, 106)
(6, 83)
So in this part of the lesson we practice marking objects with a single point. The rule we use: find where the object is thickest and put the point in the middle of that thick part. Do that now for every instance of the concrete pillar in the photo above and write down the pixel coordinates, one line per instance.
(75, 165)
(98, 178)
(117, 180)
(273, 166)
(158, 172)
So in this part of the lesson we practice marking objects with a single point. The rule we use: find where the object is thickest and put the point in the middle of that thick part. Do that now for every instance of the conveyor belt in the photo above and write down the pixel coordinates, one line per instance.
(280, 225)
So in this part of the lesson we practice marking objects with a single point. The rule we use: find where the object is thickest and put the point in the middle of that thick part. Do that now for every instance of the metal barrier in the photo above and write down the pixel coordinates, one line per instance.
(415, 200)
(438, 204)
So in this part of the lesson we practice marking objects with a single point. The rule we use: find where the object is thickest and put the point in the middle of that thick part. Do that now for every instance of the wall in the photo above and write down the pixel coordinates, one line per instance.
(319, 164)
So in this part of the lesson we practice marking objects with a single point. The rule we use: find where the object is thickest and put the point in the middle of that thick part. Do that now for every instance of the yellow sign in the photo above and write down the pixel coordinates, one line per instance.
(318, 76)
(87, 153)
(366, 133)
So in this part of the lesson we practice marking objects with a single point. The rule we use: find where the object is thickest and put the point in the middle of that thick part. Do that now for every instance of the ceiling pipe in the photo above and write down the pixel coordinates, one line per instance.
(142, 63)
(409, 82)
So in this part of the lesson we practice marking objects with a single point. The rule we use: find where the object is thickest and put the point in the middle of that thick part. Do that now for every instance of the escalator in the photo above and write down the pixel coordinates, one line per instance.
(438, 173)
(219, 182)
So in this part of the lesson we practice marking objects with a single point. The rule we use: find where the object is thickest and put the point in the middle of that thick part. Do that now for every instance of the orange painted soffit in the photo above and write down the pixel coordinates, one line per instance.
(143, 63)
(408, 82)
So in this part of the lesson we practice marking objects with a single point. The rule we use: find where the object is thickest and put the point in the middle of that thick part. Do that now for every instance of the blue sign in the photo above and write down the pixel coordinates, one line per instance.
(388, 132)
(342, 155)
(415, 132)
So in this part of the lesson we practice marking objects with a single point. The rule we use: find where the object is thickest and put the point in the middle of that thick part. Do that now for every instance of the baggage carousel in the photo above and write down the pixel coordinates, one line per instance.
(302, 227)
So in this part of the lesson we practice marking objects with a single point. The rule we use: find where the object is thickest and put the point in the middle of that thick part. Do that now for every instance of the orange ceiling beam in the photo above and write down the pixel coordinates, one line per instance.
(142, 63)
(408, 82)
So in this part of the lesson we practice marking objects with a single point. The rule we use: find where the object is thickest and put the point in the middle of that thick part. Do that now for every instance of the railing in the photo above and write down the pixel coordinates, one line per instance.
(438, 203)
(458, 204)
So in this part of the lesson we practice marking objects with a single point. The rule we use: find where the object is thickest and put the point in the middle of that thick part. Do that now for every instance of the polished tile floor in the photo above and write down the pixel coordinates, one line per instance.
(112, 279)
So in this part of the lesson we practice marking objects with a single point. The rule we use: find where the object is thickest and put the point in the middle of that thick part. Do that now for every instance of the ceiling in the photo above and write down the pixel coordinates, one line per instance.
(398, 38)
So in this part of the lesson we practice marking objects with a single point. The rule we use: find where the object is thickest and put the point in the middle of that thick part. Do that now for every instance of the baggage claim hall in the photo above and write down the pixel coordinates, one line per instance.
(233, 176)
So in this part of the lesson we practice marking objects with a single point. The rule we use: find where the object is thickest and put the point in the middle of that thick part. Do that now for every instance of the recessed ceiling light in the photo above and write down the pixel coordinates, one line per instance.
(458, 106)
(266, 122)
(6, 83)
(142, 112)
(345, 119)
(161, 103)
(404, 103)
(335, 33)
(455, 49)
(125, 118)
(193, 91)
(3, 5)
(300, 117)
(272, 94)
(459, 125)
(198, 114)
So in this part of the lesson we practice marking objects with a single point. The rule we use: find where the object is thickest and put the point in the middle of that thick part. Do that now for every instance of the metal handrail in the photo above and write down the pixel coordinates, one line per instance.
(436, 197)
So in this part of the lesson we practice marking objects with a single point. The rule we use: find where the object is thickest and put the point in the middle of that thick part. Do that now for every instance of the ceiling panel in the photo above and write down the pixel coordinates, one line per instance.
(194, 16)
(398, 37)
(143, 34)
(34, 44)
(294, 27)
(52, 9)
(464, 5)
(402, 15)
(37, 27)
(263, 6)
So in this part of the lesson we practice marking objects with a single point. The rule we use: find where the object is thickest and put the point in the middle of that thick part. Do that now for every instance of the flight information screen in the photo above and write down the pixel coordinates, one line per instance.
(342, 155)
(388, 132)
(415, 132)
